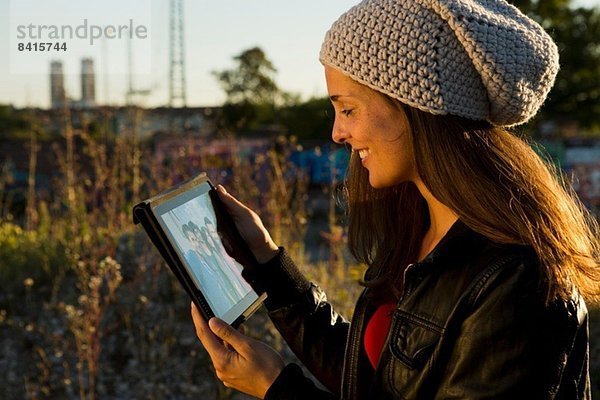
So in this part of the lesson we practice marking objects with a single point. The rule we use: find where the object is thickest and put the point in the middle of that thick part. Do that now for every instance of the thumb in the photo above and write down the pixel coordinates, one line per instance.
(234, 206)
(228, 334)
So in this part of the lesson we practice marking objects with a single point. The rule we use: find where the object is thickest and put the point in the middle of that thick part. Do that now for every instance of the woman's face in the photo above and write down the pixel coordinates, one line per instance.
(375, 128)
(203, 238)
(194, 241)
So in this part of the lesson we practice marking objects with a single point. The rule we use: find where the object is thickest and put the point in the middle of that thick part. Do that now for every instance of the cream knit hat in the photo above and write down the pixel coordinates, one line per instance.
(479, 59)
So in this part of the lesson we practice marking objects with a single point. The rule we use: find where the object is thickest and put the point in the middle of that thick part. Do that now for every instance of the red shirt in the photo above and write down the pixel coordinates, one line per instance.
(377, 331)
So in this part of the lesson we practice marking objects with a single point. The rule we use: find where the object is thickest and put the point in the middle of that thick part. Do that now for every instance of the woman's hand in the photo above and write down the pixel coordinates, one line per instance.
(250, 227)
(240, 362)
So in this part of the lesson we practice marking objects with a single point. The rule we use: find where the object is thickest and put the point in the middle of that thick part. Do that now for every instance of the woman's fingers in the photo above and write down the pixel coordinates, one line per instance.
(240, 362)
(250, 227)
(234, 206)
(242, 329)
(229, 335)
(215, 348)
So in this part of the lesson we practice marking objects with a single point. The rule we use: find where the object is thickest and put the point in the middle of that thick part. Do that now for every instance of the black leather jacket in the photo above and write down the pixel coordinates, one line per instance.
(471, 324)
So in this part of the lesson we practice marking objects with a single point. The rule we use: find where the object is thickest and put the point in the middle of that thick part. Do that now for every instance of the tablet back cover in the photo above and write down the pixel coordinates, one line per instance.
(143, 214)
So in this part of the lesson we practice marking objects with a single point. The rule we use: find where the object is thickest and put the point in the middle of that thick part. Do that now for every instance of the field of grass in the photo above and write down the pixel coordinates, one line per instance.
(88, 309)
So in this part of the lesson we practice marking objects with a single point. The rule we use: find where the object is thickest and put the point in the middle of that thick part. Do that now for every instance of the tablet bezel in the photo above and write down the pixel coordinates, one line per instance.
(200, 186)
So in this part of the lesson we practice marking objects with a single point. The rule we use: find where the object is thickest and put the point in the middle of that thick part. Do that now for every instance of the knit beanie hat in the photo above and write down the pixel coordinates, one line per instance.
(479, 59)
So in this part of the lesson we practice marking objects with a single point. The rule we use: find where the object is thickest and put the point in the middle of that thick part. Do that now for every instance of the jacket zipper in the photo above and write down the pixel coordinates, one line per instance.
(387, 339)
(405, 287)
(350, 363)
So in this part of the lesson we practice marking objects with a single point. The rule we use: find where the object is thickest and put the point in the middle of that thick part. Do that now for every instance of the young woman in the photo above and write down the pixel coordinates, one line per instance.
(479, 255)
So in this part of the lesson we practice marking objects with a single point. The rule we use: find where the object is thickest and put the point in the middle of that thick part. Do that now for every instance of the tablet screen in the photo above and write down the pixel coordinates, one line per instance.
(190, 222)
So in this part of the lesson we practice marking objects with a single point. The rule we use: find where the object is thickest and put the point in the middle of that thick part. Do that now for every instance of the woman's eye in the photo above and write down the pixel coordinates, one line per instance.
(347, 112)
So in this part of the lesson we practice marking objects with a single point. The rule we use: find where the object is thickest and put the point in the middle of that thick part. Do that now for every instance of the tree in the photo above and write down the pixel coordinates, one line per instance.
(254, 100)
(19, 125)
(13, 125)
(576, 93)
(252, 93)
(312, 119)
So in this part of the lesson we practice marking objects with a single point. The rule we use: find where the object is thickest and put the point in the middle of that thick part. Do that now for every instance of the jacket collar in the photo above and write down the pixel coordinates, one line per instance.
(456, 244)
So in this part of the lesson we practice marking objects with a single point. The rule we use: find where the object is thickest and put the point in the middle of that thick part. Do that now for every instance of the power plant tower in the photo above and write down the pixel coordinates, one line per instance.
(177, 95)
(88, 83)
(57, 85)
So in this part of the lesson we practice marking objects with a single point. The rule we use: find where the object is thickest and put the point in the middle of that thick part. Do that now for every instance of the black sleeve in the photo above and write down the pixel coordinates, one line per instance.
(291, 384)
(280, 278)
(303, 316)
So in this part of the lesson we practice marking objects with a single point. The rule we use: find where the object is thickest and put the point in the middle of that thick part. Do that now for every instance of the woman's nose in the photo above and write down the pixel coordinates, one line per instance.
(338, 134)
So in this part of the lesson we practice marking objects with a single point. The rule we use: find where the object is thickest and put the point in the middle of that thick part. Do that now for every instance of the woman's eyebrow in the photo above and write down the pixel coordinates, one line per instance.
(336, 97)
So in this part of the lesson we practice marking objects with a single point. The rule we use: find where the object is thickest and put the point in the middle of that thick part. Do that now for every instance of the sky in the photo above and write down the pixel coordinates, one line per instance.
(290, 33)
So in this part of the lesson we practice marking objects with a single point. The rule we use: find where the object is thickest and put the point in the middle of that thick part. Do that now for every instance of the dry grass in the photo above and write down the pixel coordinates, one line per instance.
(88, 309)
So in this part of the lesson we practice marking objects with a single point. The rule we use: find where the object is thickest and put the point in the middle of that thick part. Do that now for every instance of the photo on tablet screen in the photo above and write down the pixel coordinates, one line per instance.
(190, 221)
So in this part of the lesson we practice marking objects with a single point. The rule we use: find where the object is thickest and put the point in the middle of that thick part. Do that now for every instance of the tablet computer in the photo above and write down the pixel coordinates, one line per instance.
(190, 227)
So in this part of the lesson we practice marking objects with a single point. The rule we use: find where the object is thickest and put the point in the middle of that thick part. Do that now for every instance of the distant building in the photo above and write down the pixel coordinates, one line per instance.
(57, 85)
(88, 83)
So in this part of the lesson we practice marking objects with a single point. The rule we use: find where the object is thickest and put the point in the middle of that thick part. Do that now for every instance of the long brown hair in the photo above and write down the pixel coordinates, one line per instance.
(469, 165)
